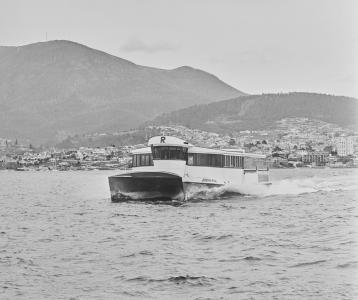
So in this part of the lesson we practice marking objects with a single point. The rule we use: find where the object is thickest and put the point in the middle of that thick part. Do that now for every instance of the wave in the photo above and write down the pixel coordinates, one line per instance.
(191, 280)
(212, 237)
(251, 258)
(351, 264)
(179, 280)
(308, 263)
(143, 252)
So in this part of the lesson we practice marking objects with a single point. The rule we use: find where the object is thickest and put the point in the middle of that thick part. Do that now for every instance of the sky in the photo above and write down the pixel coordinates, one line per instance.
(256, 46)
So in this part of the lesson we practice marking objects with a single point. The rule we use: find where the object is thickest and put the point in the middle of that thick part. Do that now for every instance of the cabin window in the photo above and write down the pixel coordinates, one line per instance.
(141, 160)
(170, 153)
(191, 159)
(232, 161)
(215, 160)
(206, 160)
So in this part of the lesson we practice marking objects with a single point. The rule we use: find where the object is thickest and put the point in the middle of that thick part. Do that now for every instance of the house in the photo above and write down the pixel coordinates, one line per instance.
(318, 158)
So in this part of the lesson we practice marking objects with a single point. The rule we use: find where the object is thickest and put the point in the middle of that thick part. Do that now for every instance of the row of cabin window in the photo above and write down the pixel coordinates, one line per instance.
(205, 160)
(215, 160)
(170, 153)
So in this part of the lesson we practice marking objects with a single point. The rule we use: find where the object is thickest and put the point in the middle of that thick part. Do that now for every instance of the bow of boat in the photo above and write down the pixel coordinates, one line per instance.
(146, 186)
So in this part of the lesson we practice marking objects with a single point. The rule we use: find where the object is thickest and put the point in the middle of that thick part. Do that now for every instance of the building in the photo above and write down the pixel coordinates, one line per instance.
(344, 145)
(315, 158)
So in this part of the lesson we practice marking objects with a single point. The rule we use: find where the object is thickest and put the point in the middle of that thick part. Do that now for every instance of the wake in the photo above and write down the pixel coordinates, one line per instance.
(291, 186)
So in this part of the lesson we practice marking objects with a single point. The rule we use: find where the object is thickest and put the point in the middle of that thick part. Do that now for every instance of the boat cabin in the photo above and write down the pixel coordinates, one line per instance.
(172, 148)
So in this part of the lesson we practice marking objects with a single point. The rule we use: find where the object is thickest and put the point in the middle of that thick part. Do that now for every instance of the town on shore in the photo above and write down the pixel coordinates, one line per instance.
(293, 143)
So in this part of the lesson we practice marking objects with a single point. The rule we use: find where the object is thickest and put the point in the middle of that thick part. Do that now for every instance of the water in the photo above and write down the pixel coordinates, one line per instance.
(62, 238)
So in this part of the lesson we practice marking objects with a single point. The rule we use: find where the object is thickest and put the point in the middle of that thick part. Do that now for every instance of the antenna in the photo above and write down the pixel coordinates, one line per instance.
(46, 36)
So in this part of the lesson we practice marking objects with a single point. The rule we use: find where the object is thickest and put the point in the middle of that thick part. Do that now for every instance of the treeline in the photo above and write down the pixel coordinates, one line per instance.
(132, 137)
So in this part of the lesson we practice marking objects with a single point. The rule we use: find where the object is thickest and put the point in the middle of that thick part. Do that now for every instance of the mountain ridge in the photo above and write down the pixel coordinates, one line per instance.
(63, 87)
(262, 111)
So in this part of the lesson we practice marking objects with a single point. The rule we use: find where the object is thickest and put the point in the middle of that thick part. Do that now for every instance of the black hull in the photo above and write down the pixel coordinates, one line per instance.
(146, 186)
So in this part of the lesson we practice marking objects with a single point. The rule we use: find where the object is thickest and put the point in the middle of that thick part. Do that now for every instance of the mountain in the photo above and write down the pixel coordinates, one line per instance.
(57, 88)
(262, 111)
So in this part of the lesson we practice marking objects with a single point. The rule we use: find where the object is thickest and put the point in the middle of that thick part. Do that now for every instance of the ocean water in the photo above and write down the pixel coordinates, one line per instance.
(62, 238)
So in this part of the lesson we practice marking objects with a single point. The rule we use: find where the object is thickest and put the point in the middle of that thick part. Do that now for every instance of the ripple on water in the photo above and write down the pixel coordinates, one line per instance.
(251, 258)
(351, 264)
(178, 280)
(68, 240)
(305, 264)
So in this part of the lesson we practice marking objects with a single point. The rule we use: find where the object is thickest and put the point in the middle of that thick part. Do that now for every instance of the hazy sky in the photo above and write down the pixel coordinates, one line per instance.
(255, 46)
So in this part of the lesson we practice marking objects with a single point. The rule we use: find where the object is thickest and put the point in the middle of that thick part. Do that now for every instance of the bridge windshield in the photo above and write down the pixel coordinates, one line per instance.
(169, 153)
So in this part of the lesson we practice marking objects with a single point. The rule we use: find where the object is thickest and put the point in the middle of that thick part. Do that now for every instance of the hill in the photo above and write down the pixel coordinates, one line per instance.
(57, 88)
(262, 111)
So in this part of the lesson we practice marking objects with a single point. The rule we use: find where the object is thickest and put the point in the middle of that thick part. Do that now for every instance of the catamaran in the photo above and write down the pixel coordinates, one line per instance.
(172, 169)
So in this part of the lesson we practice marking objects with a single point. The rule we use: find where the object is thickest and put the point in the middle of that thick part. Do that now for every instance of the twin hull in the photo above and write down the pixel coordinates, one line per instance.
(176, 181)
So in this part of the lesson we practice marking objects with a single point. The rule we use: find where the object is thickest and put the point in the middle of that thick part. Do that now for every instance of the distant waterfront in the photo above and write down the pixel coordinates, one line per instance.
(296, 142)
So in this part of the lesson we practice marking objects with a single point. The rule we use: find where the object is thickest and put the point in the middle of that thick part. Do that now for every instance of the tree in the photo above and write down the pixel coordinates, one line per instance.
(309, 146)
(249, 145)
(264, 142)
(328, 149)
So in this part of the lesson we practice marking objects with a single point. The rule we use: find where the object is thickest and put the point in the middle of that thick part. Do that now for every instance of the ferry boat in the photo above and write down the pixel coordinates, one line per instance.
(172, 169)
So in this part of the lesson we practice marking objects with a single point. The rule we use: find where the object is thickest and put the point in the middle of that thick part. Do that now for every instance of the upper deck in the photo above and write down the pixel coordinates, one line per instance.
(174, 149)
